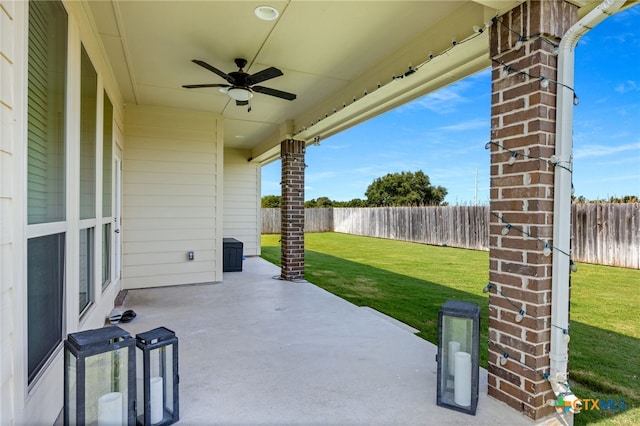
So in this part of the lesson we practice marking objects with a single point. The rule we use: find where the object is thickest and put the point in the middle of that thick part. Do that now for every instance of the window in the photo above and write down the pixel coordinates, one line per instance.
(88, 118)
(47, 58)
(106, 254)
(45, 273)
(107, 157)
(46, 112)
(107, 189)
(86, 268)
(88, 105)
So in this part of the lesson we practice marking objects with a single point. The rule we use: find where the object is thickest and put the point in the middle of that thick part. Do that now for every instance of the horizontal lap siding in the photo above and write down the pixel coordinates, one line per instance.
(8, 29)
(169, 202)
(242, 200)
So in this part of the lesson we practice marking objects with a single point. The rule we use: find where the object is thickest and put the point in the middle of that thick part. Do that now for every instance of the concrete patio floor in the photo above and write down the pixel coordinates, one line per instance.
(258, 350)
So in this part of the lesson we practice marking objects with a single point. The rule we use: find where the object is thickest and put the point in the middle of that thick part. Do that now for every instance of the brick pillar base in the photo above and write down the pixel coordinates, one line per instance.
(292, 216)
(523, 129)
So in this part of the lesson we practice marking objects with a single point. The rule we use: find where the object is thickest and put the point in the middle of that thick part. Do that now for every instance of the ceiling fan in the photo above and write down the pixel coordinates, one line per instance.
(242, 85)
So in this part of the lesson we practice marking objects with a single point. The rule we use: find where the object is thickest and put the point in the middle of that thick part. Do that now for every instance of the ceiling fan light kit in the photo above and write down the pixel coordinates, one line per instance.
(240, 94)
(242, 85)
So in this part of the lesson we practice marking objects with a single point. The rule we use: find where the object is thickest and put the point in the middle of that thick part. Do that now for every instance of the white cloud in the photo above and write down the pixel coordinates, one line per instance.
(603, 150)
(442, 102)
(335, 147)
(318, 176)
(623, 161)
(467, 125)
(447, 99)
(584, 40)
(627, 86)
(622, 38)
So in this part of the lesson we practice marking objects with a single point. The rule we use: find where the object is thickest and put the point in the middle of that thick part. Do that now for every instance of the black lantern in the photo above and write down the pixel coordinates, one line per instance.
(157, 377)
(458, 356)
(99, 377)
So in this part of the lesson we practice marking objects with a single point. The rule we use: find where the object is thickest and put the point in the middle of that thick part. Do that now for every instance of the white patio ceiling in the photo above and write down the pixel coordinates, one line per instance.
(331, 52)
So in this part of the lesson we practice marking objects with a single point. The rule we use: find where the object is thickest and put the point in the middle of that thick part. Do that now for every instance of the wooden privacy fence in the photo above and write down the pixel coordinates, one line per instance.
(455, 226)
(605, 234)
(315, 220)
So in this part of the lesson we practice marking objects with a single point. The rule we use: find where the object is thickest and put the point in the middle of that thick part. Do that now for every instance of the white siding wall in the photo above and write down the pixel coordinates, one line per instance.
(242, 200)
(40, 403)
(8, 36)
(172, 174)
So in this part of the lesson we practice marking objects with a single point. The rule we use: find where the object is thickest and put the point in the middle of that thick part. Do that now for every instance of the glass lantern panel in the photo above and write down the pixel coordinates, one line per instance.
(72, 387)
(168, 384)
(457, 341)
(140, 385)
(106, 390)
(161, 382)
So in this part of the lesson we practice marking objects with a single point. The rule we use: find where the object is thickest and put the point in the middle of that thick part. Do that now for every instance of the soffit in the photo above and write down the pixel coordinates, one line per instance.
(331, 54)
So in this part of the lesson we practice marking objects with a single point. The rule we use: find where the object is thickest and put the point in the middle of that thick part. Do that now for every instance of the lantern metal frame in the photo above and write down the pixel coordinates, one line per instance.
(85, 344)
(471, 346)
(146, 342)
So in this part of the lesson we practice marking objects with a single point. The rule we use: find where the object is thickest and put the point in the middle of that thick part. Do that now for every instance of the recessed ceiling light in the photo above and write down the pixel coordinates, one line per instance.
(266, 13)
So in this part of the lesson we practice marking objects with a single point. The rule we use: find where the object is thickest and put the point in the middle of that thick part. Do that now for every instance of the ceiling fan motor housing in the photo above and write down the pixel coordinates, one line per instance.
(240, 62)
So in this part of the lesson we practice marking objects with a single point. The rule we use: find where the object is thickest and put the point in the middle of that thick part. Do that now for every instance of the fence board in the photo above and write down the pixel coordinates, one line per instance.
(605, 234)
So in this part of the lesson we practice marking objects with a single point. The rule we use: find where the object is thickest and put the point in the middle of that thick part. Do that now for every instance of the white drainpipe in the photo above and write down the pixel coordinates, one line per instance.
(562, 195)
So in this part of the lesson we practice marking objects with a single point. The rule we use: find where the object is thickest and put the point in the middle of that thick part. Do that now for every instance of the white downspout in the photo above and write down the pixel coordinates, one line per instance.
(562, 195)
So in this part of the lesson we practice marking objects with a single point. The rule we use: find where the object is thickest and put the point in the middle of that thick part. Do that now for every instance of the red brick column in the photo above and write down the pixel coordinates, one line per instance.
(523, 122)
(292, 215)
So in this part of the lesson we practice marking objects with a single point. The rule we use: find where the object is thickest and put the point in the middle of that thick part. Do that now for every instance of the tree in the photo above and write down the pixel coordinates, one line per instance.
(271, 201)
(356, 202)
(404, 189)
(320, 202)
(625, 199)
(324, 202)
(617, 200)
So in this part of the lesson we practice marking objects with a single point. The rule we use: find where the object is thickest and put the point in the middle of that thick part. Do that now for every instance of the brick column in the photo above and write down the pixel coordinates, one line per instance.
(523, 121)
(292, 215)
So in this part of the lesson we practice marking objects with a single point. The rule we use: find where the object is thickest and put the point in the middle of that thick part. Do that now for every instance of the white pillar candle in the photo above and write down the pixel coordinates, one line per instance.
(453, 348)
(462, 380)
(157, 401)
(110, 409)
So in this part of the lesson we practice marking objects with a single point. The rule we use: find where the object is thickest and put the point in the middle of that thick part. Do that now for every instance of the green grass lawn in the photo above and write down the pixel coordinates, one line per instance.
(411, 281)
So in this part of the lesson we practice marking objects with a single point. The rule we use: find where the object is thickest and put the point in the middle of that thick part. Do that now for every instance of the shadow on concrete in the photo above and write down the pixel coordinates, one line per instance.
(617, 374)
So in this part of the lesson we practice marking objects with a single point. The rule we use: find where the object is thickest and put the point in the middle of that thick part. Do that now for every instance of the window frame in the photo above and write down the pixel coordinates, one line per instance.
(39, 55)
(107, 141)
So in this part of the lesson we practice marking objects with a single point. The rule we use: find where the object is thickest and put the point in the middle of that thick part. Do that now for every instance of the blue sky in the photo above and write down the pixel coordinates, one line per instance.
(444, 133)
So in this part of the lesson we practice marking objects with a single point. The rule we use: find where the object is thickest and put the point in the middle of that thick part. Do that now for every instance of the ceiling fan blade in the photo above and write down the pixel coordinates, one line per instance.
(273, 92)
(215, 70)
(196, 86)
(264, 75)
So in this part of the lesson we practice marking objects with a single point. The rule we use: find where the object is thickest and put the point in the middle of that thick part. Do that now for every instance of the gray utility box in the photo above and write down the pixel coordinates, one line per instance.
(231, 255)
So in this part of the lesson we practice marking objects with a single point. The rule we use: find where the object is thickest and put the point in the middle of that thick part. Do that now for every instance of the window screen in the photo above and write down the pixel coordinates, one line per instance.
(47, 57)
(46, 112)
